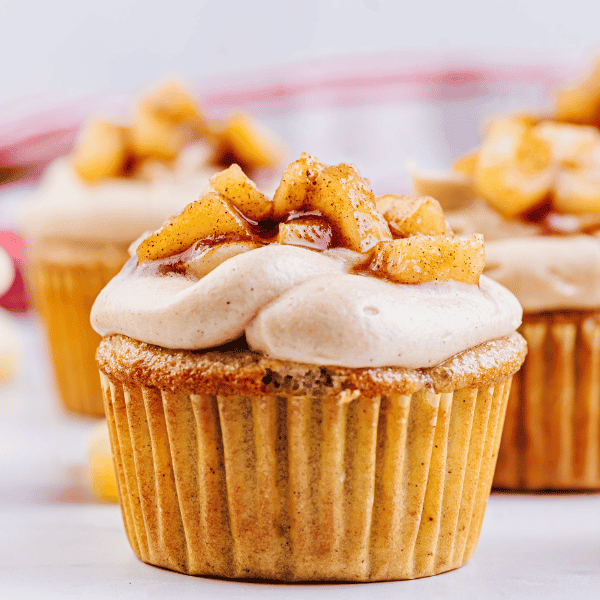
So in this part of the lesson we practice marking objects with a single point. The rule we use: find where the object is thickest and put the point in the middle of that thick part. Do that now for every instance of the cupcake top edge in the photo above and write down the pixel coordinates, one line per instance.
(242, 372)
(322, 273)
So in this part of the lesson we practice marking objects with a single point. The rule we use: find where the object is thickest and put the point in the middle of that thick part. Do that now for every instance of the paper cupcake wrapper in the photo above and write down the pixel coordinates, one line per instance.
(551, 438)
(344, 488)
(63, 295)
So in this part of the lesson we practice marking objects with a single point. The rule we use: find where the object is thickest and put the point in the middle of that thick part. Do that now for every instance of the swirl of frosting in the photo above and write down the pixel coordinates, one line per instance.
(116, 210)
(298, 304)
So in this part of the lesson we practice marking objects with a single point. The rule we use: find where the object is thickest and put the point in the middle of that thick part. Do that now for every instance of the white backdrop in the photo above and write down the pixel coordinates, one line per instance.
(73, 47)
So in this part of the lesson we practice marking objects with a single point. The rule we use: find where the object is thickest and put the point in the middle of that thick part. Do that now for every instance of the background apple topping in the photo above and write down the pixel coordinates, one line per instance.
(541, 168)
(164, 123)
(323, 208)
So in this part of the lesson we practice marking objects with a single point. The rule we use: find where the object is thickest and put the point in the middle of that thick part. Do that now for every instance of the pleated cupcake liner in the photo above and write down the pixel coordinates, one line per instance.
(551, 439)
(63, 295)
(304, 488)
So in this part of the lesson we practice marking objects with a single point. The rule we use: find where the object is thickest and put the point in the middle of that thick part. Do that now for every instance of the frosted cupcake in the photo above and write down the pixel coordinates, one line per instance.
(533, 189)
(119, 182)
(300, 389)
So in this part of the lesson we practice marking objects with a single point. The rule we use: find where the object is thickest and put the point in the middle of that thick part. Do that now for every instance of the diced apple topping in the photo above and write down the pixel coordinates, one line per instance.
(101, 152)
(165, 123)
(328, 209)
(233, 184)
(155, 137)
(412, 216)
(310, 231)
(514, 171)
(210, 257)
(297, 183)
(466, 164)
(421, 259)
(346, 199)
(581, 102)
(172, 102)
(211, 217)
(523, 164)
(250, 143)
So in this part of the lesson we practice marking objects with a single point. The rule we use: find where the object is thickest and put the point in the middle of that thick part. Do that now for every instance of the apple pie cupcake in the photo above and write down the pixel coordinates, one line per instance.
(306, 388)
(533, 189)
(119, 182)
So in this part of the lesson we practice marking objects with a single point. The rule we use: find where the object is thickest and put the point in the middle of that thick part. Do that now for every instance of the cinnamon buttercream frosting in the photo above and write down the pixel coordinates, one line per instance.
(297, 304)
(115, 210)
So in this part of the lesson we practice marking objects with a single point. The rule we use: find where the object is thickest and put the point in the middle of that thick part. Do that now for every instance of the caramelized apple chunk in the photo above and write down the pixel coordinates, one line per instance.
(235, 186)
(101, 151)
(310, 231)
(152, 136)
(514, 171)
(422, 259)
(209, 217)
(581, 102)
(412, 216)
(346, 199)
(209, 257)
(466, 164)
(172, 102)
(249, 143)
(297, 183)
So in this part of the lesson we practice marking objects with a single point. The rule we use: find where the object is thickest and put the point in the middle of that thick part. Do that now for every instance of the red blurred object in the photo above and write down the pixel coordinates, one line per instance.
(16, 298)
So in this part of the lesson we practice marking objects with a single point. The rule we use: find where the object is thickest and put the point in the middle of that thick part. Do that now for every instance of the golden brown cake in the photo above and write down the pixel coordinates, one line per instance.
(309, 388)
(241, 466)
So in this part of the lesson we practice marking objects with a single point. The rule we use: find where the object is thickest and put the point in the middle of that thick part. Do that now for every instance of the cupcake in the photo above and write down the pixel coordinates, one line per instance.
(309, 388)
(119, 182)
(533, 189)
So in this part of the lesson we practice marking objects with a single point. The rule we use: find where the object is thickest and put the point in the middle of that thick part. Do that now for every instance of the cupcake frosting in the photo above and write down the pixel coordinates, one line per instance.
(296, 304)
(115, 210)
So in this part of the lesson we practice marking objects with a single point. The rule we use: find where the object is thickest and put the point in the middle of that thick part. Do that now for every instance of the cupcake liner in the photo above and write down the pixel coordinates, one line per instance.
(63, 294)
(342, 487)
(551, 438)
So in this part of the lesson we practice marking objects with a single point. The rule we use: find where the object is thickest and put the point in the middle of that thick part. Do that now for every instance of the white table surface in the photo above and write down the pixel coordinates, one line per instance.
(57, 542)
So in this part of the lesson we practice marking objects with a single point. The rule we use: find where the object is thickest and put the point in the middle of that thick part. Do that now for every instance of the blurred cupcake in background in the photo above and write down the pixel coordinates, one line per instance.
(9, 340)
(533, 189)
(120, 180)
